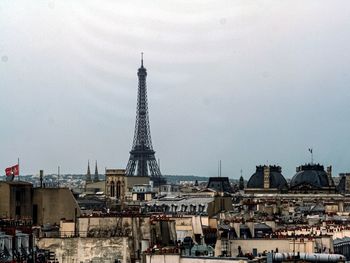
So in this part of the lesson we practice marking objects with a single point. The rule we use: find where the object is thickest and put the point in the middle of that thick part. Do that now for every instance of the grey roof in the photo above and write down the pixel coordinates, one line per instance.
(313, 175)
(339, 241)
(277, 180)
(261, 226)
(224, 227)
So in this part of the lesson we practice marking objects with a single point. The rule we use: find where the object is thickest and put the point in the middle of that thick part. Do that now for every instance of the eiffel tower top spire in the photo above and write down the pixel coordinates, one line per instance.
(141, 59)
(142, 161)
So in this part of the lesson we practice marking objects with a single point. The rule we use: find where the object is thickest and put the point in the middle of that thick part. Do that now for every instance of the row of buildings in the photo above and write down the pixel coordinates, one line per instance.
(125, 218)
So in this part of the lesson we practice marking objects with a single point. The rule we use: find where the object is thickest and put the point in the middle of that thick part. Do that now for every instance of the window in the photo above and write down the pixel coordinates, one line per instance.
(112, 190)
(18, 196)
(118, 190)
(18, 210)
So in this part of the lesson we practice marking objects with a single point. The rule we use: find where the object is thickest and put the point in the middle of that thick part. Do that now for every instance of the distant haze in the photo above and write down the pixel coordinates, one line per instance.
(245, 82)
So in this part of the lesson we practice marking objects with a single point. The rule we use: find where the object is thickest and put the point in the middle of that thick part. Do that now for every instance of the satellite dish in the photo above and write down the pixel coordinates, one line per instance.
(9, 178)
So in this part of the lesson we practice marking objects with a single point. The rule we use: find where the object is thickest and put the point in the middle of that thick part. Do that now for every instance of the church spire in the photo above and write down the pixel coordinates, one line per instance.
(88, 173)
(96, 179)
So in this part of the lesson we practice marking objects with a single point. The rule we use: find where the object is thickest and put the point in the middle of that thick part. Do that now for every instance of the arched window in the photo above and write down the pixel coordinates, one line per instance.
(112, 190)
(118, 190)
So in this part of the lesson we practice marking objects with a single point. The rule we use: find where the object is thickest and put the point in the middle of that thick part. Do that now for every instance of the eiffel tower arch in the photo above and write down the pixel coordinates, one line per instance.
(142, 161)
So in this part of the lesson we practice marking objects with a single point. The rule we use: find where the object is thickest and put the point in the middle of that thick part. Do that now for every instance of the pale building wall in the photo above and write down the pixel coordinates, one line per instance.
(86, 250)
(325, 242)
(67, 229)
(341, 234)
(197, 225)
(55, 204)
(205, 220)
(5, 200)
(331, 208)
(271, 224)
(141, 225)
(90, 224)
(183, 226)
(162, 258)
(183, 223)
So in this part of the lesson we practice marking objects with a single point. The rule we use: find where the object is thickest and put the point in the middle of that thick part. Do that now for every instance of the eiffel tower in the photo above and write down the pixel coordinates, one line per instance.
(142, 161)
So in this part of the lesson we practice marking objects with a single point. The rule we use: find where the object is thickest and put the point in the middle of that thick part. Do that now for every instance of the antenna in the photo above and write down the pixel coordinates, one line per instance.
(220, 168)
(141, 59)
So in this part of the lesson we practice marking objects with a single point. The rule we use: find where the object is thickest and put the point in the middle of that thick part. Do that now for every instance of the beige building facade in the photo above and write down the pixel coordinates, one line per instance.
(16, 200)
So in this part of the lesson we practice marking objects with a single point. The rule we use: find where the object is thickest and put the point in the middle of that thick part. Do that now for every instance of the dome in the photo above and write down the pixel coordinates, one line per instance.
(311, 175)
(277, 180)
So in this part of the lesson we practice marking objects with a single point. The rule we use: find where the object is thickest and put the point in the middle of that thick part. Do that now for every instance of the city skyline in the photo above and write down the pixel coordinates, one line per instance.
(244, 83)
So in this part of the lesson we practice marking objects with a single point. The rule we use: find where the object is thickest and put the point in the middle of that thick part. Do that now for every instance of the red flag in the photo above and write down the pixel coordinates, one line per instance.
(13, 170)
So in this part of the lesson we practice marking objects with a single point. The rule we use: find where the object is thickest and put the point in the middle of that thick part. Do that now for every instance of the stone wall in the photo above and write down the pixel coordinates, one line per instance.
(69, 250)
(114, 226)
(135, 228)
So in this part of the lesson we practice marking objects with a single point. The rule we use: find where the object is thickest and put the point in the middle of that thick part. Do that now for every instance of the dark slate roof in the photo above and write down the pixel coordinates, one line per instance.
(313, 175)
(339, 241)
(220, 184)
(277, 180)
(262, 226)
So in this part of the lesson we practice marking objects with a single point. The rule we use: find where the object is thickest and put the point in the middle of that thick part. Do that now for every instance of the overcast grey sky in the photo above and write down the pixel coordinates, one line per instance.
(247, 82)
